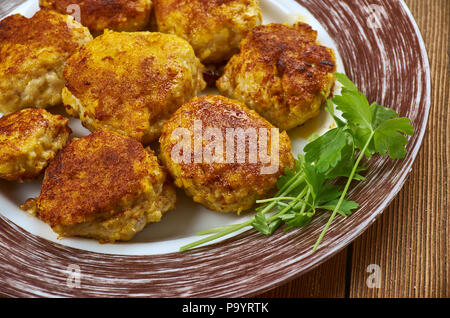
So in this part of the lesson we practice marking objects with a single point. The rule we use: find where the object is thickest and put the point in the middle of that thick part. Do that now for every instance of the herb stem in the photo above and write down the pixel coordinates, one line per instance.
(296, 180)
(277, 199)
(344, 193)
(216, 229)
(306, 200)
(231, 229)
(224, 230)
(290, 205)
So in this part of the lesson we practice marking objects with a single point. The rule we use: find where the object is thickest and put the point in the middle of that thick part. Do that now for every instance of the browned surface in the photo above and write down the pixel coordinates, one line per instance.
(22, 131)
(32, 56)
(236, 181)
(44, 29)
(94, 175)
(410, 241)
(126, 83)
(120, 15)
(290, 70)
(197, 9)
(22, 124)
(214, 28)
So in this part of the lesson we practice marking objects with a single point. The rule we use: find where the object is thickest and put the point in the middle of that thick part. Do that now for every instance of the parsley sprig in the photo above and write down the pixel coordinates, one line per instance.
(311, 187)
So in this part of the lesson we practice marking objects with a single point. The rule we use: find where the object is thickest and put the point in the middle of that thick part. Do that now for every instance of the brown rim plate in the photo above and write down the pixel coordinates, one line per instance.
(384, 54)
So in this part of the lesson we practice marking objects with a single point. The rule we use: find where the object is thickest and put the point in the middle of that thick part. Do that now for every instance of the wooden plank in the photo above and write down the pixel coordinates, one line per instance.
(326, 281)
(410, 241)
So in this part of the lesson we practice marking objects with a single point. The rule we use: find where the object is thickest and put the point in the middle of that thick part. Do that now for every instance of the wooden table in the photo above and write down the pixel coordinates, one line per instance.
(409, 243)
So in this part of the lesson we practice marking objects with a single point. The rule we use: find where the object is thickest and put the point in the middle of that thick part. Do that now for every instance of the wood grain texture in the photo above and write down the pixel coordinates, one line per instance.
(326, 281)
(410, 241)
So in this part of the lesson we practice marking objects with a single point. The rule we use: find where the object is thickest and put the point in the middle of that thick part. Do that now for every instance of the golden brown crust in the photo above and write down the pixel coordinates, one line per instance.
(98, 15)
(33, 52)
(285, 70)
(295, 54)
(213, 27)
(95, 177)
(23, 124)
(44, 29)
(131, 82)
(29, 139)
(230, 185)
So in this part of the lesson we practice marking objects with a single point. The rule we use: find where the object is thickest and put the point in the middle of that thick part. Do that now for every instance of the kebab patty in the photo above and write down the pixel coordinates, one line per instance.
(29, 140)
(98, 15)
(33, 53)
(214, 28)
(103, 186)
(282, 72)
(225, 175)
(131, 82)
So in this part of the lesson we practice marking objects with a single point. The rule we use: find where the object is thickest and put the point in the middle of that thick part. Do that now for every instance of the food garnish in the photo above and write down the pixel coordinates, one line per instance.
(315, 185)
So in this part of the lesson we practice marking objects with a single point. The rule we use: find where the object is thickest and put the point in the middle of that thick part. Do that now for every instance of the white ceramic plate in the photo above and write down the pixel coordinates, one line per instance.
(382, 51)
(178, 227)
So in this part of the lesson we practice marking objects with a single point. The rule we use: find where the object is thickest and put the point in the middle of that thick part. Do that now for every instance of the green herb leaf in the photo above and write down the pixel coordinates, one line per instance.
(389, 138)
(325, 151)
(314, 179)
(346, 82)
(355, 108)
(381, 114)
(330, 109)
(346, 208)
(344, 168)
(297, 219)
(260, 223)
(311, 185)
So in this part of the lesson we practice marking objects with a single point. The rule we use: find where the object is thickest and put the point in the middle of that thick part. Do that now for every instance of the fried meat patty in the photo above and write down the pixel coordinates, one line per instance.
(214, 148)
(103, 186)
(213, 27)
(33, 53)
(98, 15)
(282, 72)
(29, 140)
(131, 82)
